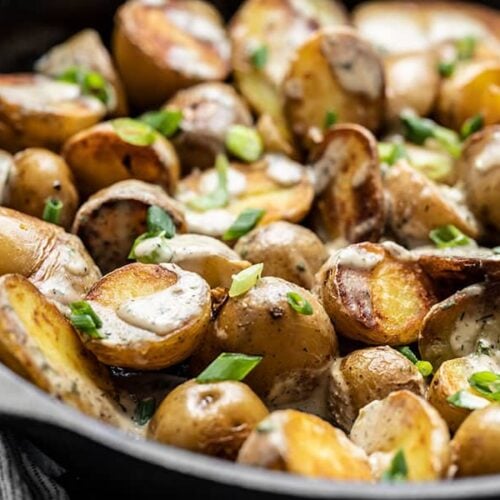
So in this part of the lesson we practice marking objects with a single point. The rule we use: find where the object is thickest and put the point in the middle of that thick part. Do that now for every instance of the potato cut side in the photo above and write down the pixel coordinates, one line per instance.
(404, 421)
(153, 315)
(306, 445)
(375, 293)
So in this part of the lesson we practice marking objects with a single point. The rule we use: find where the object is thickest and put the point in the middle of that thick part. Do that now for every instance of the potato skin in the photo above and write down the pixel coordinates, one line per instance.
(375, 293)
(476, 443)
(209, 110)
(366, 375)
(301, 443)
(297, 349)
(98, 158)
(111, 219)
(36, 176)
(288, 251)
(158, 50)
(213, 418)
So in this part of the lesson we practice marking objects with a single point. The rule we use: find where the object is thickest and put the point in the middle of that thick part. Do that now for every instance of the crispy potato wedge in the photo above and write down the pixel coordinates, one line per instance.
(214, 418)
(334, 71)
(36, 176)
(38, 343)
(208, 111)
(99, 157)
(288, 251)
(297, 348)
(38, 111)
(153, 316)
(366, 375)
(417, 205)
(375, 293)
(86, 50)
(54, 261)
(350, 205)
(275, 184)
(404, 421)
(111, 219)
(466, 322)
(299, 443)
(453, 376)
(161, 47)
(475, 445)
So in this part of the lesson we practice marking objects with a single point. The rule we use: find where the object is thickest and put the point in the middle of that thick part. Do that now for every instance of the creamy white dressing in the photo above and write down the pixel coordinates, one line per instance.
(192, 246)
(489, 157)
(211, 222)
(397, 251)
(283, 171)
(356, 258)
(157, 249)
(170, 309)
(236, 182)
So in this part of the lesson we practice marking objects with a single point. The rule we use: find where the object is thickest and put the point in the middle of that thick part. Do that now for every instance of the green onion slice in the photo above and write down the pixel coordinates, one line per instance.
(245, 222)
(424, 367)
(134, 132)
(245, 280)
(467, 400)
(159, 249)
(390, 153)
(487, 384)
(220, 196)
(52, 210)
(446, 68)
(166, 121)
(398, 470)
(158, 221)
(85, 319)
(331, 118)
(299, 304)
(408, 353)
(228, 366)
(472, 125)
(90, 82)
(259, 57)
(466, 47)
(244, 142)
(145, 410)
(449, 237)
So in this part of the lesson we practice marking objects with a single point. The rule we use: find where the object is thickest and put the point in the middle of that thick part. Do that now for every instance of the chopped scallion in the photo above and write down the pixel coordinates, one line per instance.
(244, 142)
(259, 57)
(487, 384)
(166, 121)
(424, 367)
(299, 304)
(449, 237)
(390, 153)
(466, 47)
(398, 470)
(408, 353)
(245, 222)
(144, 410)
(85, 319)
(134, 132)
(467, 400)
(158, 221)
(446, 68)
(472, 125)
(331, 118)
(228, 366)
(52, 211)
(245, 280)
(90, 82)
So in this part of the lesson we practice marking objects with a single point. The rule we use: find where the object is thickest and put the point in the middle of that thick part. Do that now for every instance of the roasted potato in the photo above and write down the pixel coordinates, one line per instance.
(375, 293)
(38, 343)
(36, 176)
(38, 111)
(288, 251)
(304, 444)
(111, 219)
(366, 375)
(475, 445)
(297, 348)
(417, 205)
(275, 184)
(453, 376)
(214, 419)
(153, 316)
(54, 261)
(99, 157)
(404, 421)
(350, 205)
(161, 47)
(6, 165)
(86, 50)
(208, 111)
(335, 71)
(466, 322)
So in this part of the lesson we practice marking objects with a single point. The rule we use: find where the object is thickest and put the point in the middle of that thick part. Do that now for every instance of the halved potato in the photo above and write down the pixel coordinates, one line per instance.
(99, 157)
(466, 322)
(36, 176)
(111, 219)
(38, 111)
(6, 165)
(375, 293)
(404, 421)
(86, 50)
(38, 343)
(365, 375)
(453, 376)
(417, 205)
(334, 71)
(275, 184)
(288, 251)
(54, 261)
(152, 316)
(350, 204)
(210, 418)
(475, 445)
(304, 444)
(297, 348)
(161, 47)
(208, 111)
